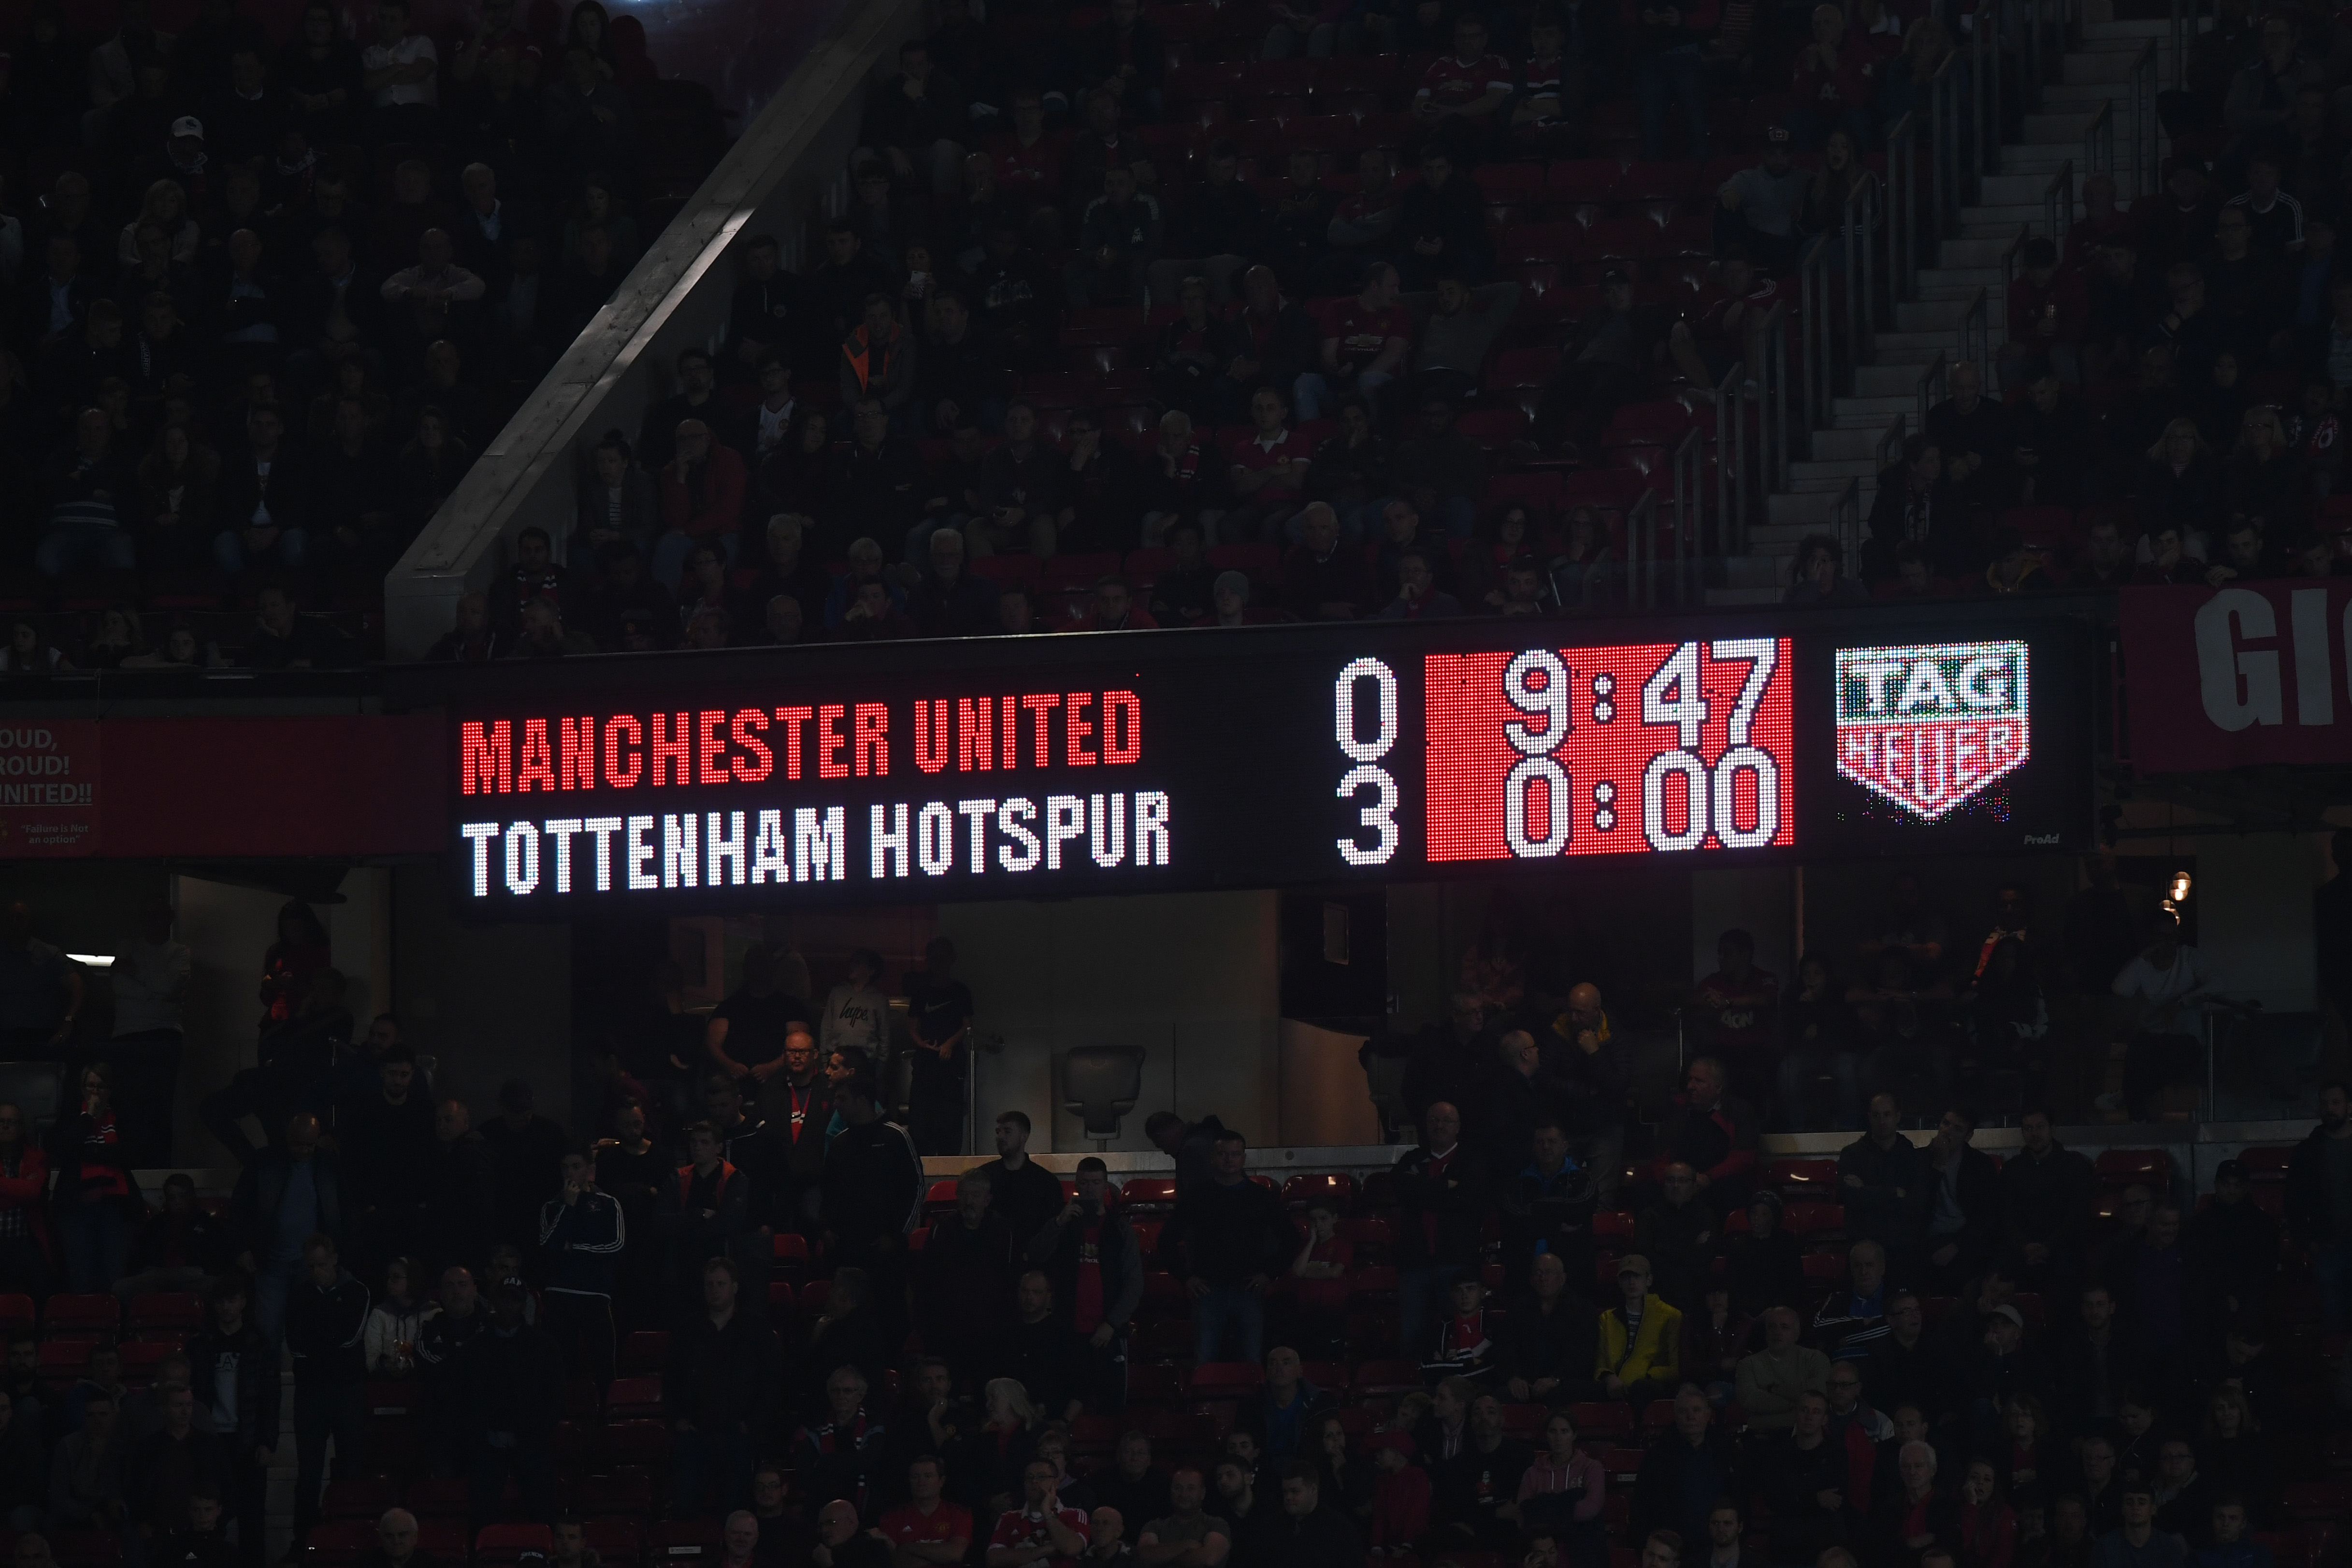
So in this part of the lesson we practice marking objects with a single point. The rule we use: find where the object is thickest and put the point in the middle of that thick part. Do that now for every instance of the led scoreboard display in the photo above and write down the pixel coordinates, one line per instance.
(1158, 761)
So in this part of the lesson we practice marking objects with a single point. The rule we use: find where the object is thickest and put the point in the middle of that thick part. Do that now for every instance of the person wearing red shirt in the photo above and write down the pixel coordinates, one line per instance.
(701, 499)
(1461, 96)
(1364, 343)
(1835, 80)
(926, 1530)
(2048, 307)
(1269, 473)
(1041, 1530)
(1029, 162)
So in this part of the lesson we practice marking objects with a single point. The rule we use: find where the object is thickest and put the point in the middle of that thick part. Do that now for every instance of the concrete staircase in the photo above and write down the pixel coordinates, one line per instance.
(1928, 324)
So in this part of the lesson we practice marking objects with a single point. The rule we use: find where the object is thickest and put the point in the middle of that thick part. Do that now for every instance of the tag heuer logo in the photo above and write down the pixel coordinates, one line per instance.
(1929, 728)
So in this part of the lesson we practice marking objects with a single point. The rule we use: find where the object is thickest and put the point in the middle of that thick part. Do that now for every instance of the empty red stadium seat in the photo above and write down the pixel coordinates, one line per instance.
(1375, 1283)
(1215, 1377)
(81, 1316)
(1599, 1420)
(506, 1543)
(1530, 367)
(1540, 242)
(62, 1360)
(1368, 1232)
(359, 1497)
(2116, 1167)
(1823, 1267)
(1802, 1178)
(15, 1312)
(1806, 1220)
(615, 1541)
(335, 1542)
(629, 1397)
(173, 1312)
(1336, 1185)
(1492, 428)
(438, 1497)
(1375, 1378)
(1147, 1193)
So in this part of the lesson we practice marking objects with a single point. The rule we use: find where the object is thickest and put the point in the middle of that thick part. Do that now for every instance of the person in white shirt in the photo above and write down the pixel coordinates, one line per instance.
(857, 1015)
(149, 978)
(2162, 986)
(400, 70)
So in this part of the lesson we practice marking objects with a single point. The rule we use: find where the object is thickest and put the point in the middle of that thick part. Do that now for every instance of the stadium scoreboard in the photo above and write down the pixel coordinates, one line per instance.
(1157, 761)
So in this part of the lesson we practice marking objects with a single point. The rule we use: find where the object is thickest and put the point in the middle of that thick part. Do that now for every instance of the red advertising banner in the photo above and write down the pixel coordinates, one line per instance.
(48, 788)
(2238, 676)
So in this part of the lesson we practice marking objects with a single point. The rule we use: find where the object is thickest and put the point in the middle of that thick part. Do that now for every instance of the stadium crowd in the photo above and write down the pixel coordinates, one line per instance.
(724, 1315)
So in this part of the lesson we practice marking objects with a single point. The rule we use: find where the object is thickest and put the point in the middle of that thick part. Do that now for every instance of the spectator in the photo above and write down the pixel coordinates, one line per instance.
(326, 1329)
(581, 1238)
(1321, 580)
(1094, 1265)
(719, 1391)
(872, 1196)
(964, 1277)
(1042, 1530)
(1638, 1356)
(234, 1378)
(1964, 1202)
(1767, 1270)
(701, 499)
(1772, 1379)
(1233, 1239)
(2137, 1542)
(511, 1374)
(1852, 1321)
(1685, 1471)
(1713, 1132)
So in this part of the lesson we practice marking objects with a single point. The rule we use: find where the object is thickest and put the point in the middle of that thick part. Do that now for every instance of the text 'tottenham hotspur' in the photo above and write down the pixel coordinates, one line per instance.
(811, 843)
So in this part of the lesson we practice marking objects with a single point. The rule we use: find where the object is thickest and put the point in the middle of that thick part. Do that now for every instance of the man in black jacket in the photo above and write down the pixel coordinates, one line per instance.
(963, 1280)
(1468, 1487)
(526, 1148)
(1443, 1196)
(2318, 1169)
(581, 1238)
(1807, 1477)
(1091, 1254)
(326, 1324)
(1233, 1239)
(950, 602)
(2046, 1209)
(1547, 1207)
(1024, 1192)
(514, 1388)
(387, 1135)
(1601, 365)
(441, 1345)
(1685, 1470)
(1307, 1535)
(1963, 1202)
(719, 1390)
(234, 1378)
(1883, 1180)
(459, 1180)
(873, 1197)
(704, 1209)
(1039, 1351)
(168, 1464)
(1550, 1338)
(271, 1228)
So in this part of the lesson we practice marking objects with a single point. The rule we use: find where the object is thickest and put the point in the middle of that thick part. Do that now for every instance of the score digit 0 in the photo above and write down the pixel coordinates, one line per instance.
(1536, 683)
(1380, 815)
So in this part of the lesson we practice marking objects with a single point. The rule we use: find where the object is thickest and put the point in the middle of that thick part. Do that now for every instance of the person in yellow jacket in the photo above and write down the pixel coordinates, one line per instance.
(1639, 1356)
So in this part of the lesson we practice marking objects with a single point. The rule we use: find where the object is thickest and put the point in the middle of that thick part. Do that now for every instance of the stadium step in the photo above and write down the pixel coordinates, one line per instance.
(2094, 74)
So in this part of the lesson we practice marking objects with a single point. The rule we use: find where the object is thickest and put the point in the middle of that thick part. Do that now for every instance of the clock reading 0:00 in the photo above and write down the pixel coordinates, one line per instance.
(1380, 816)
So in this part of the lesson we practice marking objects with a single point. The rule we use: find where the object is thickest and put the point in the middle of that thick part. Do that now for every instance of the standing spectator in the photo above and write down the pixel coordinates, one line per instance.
(1090, 1254)
(1681, 1236)
(459, 1186)
(1443, 1196)
(1713, 1132)
(873, 1195)
(1964, 1201)
(1233, 1239)
(94, 1191)
(1736, 1007)
(719, 1390)
(40, 990)
(149, 979)
(512, 1378)
(525, 1150)
(704, 1209)
(1853, 1320)
(582, 1236)
(2045, 1206)
(23, 1217)
(326, 1328)
(234, 1372)
(397, 1318)
(169, 1466)
(1884, 1181)
(441, 1345)
(963, 1279)
(1020, 1189)
(2162, 987)
(287, 1196)
(917, 121)
(938, 1029)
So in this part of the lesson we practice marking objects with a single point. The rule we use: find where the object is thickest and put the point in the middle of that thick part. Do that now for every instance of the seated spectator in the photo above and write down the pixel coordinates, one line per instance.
(1834, 84)
(1602, 356)
(1365, 344)
(1685, 1469)
(1023, 491)
(917, 121)
(1440, 222)
(1639, 1356)
(1118, 239)
(1712, 1131)
(1772, 1379)
(1267, 476)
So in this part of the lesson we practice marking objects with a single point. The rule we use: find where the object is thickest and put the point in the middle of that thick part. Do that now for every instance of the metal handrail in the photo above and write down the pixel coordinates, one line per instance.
(1934, 385)
(2009, 273)
(1944, 147)
(1859, 219)
(2099, 140)
(1815, 337)
(2143, 158)
(1772, 395)
(1985, 53)
(1641, 536)
(1690, 507)
(1976, 322)
(1731, 451)
(2058, 205)
(1845, 522)
(1902, 224)
(2186, 24)
(1890, 445)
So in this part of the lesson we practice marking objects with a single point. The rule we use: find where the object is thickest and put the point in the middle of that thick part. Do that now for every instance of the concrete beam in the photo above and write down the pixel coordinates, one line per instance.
(675, 295)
